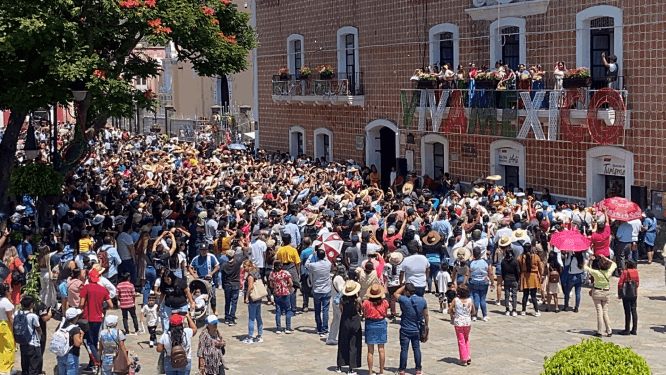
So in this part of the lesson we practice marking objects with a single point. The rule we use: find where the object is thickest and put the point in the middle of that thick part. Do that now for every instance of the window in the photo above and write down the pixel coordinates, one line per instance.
(438, 159)
(348, 59)
(295, 55)
(446, 50)
(601, 42)
(323, 144)
(598, 30)
(508, 42)
(444, 45)
(511, 46)
(327, 147)
(140, 81)
(297, 141)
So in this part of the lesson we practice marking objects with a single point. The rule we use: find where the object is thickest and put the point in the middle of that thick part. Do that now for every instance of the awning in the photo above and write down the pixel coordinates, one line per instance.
(250, 134)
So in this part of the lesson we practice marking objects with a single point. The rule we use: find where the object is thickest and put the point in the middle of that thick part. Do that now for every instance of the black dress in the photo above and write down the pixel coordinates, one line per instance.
(350, 336)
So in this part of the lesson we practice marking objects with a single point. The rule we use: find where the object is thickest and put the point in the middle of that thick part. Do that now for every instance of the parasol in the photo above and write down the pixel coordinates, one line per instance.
(621, 209)
(570, 240)
(332, 244)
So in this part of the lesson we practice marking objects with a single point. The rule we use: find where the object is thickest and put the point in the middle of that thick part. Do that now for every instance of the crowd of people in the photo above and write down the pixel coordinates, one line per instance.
(169, 223)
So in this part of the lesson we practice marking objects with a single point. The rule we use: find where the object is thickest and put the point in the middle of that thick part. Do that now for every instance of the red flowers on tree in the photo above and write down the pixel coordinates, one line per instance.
(128, 4)
(156, 23)
(215, 22)
(225, 2)
(101, 74)
(150, 3)
(207, 11)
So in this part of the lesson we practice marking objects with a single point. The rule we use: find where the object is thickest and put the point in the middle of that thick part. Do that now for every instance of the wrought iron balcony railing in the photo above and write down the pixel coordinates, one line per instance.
(338, 88)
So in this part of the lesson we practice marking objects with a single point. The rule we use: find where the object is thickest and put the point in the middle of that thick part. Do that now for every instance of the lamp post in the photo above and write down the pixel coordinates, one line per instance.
(167, 109)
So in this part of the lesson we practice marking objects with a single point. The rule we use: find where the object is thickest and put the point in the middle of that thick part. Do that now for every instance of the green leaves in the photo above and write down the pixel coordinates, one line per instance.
(594, 357)
(35, 180)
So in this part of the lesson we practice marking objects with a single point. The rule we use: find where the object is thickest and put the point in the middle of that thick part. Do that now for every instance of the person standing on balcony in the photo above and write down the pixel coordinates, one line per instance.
(612, 69)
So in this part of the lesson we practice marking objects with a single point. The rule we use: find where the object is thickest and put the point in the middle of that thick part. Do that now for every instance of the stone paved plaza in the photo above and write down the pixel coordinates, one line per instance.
(504, 345)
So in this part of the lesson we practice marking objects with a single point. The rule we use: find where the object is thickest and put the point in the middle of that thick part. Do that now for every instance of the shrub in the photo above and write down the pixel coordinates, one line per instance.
(594, 357)
(36, 180)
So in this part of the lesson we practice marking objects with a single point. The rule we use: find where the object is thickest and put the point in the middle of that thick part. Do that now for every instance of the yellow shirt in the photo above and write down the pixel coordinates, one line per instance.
(288, 254)
(85, 244)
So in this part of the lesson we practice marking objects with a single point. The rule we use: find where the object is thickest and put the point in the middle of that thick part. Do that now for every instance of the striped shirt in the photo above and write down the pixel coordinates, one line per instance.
(126, 293)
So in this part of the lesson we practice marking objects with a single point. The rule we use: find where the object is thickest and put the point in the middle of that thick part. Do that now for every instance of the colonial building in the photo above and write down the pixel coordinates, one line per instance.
(579, 143)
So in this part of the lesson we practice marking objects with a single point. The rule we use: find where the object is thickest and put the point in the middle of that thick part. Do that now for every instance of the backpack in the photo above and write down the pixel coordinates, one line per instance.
(60, 341)
(554, 276)
(22, 333)
(18, 278)
(178, 356)
(103, 256)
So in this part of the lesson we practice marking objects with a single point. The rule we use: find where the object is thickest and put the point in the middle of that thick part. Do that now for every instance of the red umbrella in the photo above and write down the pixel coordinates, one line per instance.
(621, 209)
(332, 243)
(570, 240)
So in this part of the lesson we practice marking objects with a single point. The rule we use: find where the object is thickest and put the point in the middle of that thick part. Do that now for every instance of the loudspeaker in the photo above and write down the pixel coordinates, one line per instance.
(639, 196)
(401, 166)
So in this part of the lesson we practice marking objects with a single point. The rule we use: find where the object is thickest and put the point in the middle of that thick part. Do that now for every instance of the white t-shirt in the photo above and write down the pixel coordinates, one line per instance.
(151, 314)
(414, 267)
(371, 247)
(443, 280)
(257, 251)
(124, 240)
(165, 340)
(5, 307)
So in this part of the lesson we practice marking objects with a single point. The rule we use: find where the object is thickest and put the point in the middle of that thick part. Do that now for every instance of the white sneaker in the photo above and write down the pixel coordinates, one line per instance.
(152, 343)
(537, 314)
(278, 331)
(474, 318)
(331, 342)
(498, 303)
(259, 339)
(288, 331)
(248, 340)
(514, 314)
(485, 318)
(507, 313)
(522, 313)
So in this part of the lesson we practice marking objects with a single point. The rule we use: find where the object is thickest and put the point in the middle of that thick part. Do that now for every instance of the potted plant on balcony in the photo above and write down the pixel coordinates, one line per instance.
(325, 71)
(426, 81)
(575, 78)
(486, 81)
(304, 73)
(284, 74)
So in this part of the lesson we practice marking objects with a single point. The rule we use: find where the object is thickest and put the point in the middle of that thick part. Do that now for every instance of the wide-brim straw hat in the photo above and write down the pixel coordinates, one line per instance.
(504, 241)
(407, 188)
(312, 219)
(395, 258)
(479, 190)
(374, 291)
(351, 288)
(462, 253)
(148, 167)
(432, 238)
(519, 234)
(494, 177)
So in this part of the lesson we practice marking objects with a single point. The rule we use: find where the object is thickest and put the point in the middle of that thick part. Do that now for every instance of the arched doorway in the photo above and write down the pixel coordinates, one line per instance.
(434, 155)
(224, 92)
(296, 141)
(323, 144)
(507, 159)
(609, 172)
(382, 147)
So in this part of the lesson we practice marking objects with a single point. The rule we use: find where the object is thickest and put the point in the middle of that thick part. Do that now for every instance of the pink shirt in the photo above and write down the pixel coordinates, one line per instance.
(601, 242)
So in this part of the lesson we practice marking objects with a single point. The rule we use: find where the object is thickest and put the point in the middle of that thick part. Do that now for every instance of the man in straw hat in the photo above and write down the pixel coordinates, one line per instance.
(414, 308)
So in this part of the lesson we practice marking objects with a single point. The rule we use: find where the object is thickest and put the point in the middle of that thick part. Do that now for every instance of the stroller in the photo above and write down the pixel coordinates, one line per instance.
(201, 312)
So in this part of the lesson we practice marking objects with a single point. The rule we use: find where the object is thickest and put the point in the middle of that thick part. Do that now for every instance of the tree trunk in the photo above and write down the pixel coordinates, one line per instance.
(8, 152)
(99, 123)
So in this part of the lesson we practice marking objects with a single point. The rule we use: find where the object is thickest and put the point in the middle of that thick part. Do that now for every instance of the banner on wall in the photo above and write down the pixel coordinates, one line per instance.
(612, 166)
(508, 156)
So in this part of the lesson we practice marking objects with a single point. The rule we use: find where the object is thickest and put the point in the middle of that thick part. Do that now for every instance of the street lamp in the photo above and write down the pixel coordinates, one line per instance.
(168, 108)
(31, 149)
(79, 91)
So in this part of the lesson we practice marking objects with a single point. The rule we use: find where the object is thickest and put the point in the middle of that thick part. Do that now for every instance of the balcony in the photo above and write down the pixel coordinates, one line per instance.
(341, 89)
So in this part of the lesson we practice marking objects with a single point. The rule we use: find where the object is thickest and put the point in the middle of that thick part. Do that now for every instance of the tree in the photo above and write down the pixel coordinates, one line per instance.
(48, 45)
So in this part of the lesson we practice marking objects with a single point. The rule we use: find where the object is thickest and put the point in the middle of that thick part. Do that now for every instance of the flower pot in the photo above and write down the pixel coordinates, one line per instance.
(303, 77)
(486, 84)
(326, 76)
(426, 84)
(574, 83)
(285, 77)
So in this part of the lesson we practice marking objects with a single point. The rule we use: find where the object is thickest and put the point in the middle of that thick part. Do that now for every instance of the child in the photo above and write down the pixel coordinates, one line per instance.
(443, 280)
(150, 312)
(126, 295)
(451, 294)
(200, 299)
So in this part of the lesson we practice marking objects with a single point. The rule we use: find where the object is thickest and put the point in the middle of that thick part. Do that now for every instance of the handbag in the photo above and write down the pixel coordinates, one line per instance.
(259, 291)
(628, 289)
(120, 360)
(424, 330)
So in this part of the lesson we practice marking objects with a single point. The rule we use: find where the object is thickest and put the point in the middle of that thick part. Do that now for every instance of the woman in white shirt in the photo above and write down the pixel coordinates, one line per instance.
(177, 335)
(7, 345)
(338, 286)
(573, 276)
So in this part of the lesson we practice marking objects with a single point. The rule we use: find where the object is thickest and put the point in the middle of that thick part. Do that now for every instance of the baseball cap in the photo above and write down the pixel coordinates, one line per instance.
(93, 275)
(211, 319)
(176, 320)
(72, 313)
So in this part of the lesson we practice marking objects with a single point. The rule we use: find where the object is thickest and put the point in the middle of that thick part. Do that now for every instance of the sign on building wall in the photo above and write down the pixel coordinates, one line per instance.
(657, 204)
(469, 150)
(508, 156)
(360, 142)
(612, 167)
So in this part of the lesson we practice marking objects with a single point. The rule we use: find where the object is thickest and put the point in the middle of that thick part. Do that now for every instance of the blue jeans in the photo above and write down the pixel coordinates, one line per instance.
(419, 290)
(573, 281)
(283, 307)
(180, 371)
(92, 337)
(634, 256)
(68, 365)
(479, 292)
(434, 268)
(151, 276)
(322, 301)
(127, 265)
(230, 303)
(254, 312)
(292, 297)
(405, 338)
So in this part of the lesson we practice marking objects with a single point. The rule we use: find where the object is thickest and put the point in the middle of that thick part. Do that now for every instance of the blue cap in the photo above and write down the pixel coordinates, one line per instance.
(211, 319)
(314, 200)
(544, 204)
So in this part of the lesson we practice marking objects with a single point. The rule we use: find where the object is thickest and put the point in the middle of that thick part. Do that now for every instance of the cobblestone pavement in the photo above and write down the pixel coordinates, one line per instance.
(504, 345)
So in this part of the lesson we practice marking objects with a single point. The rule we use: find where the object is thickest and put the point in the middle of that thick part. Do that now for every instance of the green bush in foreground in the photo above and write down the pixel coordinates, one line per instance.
(594, 357)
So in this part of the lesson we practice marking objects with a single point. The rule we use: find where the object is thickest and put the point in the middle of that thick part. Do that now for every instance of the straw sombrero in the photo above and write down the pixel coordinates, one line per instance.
(494, 177)
(351, 288)
(462, 253)
(407, 188)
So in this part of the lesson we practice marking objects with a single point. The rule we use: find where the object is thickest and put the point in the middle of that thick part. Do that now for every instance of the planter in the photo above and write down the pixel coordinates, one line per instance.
(574, 83)
(303, 77)
(326, 76)
(426, 84)
(285, 77)
(486, 84)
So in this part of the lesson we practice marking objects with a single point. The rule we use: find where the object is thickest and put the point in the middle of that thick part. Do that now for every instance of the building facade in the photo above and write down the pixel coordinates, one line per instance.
(582, 144)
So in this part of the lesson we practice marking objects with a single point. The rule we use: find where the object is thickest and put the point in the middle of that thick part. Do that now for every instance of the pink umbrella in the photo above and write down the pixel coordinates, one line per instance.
(621, 209)
(570, 240)
(331, 243)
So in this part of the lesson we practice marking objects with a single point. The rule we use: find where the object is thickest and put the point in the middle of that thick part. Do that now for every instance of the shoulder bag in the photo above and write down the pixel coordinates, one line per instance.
(420, 322)
(259, 291)
(120, 360)
(628, 289)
